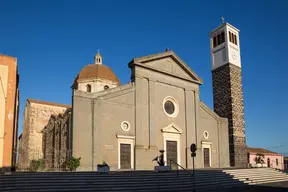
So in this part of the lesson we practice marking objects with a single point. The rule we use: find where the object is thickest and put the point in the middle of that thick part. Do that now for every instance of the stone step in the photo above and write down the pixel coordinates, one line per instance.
(261, 178)
(119, 178)
(249, 170)
(137, 187)
(115, 179)
(116, 174)
(267, 181)
(111, 182)
(253, 175)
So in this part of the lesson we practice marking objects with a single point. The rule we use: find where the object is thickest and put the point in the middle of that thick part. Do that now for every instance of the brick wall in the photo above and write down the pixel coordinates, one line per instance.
(56, 141)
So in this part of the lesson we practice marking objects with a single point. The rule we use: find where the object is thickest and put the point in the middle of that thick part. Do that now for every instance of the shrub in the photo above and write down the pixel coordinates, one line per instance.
(41, 164)
(34, 165)
(72, 163)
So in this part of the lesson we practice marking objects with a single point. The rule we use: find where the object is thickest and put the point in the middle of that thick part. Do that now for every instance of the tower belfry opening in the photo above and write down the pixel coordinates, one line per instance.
(98, 58)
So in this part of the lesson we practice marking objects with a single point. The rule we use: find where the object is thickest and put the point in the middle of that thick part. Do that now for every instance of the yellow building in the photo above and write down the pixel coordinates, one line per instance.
(9, 109)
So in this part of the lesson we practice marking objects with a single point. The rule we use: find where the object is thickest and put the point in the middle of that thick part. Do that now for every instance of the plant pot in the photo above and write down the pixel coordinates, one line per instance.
(166, 168)
(103, 168)
(259, 165)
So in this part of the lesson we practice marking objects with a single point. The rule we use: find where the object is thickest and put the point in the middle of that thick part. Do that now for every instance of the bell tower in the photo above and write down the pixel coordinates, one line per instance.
(227, 88)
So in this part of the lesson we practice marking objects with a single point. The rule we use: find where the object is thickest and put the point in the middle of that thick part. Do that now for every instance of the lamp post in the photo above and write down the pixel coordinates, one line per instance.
(193, 149)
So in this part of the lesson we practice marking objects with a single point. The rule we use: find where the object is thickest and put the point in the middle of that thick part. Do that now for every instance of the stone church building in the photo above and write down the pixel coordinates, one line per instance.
(127, 125)
(160, 109)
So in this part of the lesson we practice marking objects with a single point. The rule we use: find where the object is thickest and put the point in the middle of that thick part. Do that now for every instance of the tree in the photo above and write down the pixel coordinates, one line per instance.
(259, 159)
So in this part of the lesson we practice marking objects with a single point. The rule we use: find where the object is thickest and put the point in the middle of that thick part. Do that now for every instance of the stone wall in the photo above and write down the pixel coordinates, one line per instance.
(56, 145)
(228, 103)
(36, 116)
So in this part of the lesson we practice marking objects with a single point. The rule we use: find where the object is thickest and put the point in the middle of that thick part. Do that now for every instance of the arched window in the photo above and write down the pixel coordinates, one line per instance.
(99, 60)
(106, 87)
(88, 88)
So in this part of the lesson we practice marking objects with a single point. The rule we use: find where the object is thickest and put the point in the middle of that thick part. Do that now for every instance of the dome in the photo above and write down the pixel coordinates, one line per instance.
(94, 71)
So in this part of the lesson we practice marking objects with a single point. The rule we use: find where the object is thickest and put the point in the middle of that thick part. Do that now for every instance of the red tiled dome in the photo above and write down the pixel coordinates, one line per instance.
(93, 71)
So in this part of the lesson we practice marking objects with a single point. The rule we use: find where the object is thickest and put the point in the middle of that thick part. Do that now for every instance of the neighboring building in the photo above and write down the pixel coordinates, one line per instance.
(286, 164)
(227, 88)
(9, 109)
(36, 116)
(57, 140)
(271, 159)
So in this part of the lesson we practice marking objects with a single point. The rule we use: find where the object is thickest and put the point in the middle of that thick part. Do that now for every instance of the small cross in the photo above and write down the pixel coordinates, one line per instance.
(98, 50)
(223, 21)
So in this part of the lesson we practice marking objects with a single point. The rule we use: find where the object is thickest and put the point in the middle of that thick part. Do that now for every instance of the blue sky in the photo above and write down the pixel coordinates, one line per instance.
(53, 40)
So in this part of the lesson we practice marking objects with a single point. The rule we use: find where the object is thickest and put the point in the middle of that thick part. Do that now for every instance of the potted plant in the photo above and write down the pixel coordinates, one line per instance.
(161, 164)
(73, 163)
(259, 160)
(103, 168)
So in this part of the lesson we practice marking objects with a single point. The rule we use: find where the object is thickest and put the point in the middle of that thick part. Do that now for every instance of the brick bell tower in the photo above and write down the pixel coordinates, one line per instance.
(227, 88)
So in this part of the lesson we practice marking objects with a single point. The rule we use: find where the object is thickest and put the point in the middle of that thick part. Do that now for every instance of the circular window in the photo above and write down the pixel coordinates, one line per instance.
(206, 134)
(125, 126)
(170, 107)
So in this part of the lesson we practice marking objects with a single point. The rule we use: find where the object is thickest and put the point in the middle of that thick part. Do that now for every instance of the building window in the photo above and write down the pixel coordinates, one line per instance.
(277, 162)
(206, 134)
(223, 37)
(214, 42)
(106, 87)
(88, 88)
(235, 41)
(170, 107)
(125, 125)
(233, 38)
(218, 39)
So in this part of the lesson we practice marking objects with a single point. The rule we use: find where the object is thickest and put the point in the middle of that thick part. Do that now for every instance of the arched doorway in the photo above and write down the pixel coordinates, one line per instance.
(268, 162)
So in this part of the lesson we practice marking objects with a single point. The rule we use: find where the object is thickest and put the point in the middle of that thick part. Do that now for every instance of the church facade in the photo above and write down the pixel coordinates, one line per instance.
(160, 109)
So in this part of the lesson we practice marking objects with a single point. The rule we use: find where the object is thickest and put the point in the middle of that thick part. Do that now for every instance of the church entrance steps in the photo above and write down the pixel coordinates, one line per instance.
(258, 175)
(116, 181)
(206, 179)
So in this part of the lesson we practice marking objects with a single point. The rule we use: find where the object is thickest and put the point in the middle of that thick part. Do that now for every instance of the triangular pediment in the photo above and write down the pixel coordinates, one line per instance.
(172, 128)
(169, 63)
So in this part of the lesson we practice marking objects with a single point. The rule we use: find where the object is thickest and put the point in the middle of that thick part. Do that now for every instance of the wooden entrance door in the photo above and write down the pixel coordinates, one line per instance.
(125, 156)
(206, 152)
(171, 151)
(268, 162)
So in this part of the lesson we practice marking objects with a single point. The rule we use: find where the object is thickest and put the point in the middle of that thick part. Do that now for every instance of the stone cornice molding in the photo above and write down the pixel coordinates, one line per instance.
(142, 60)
